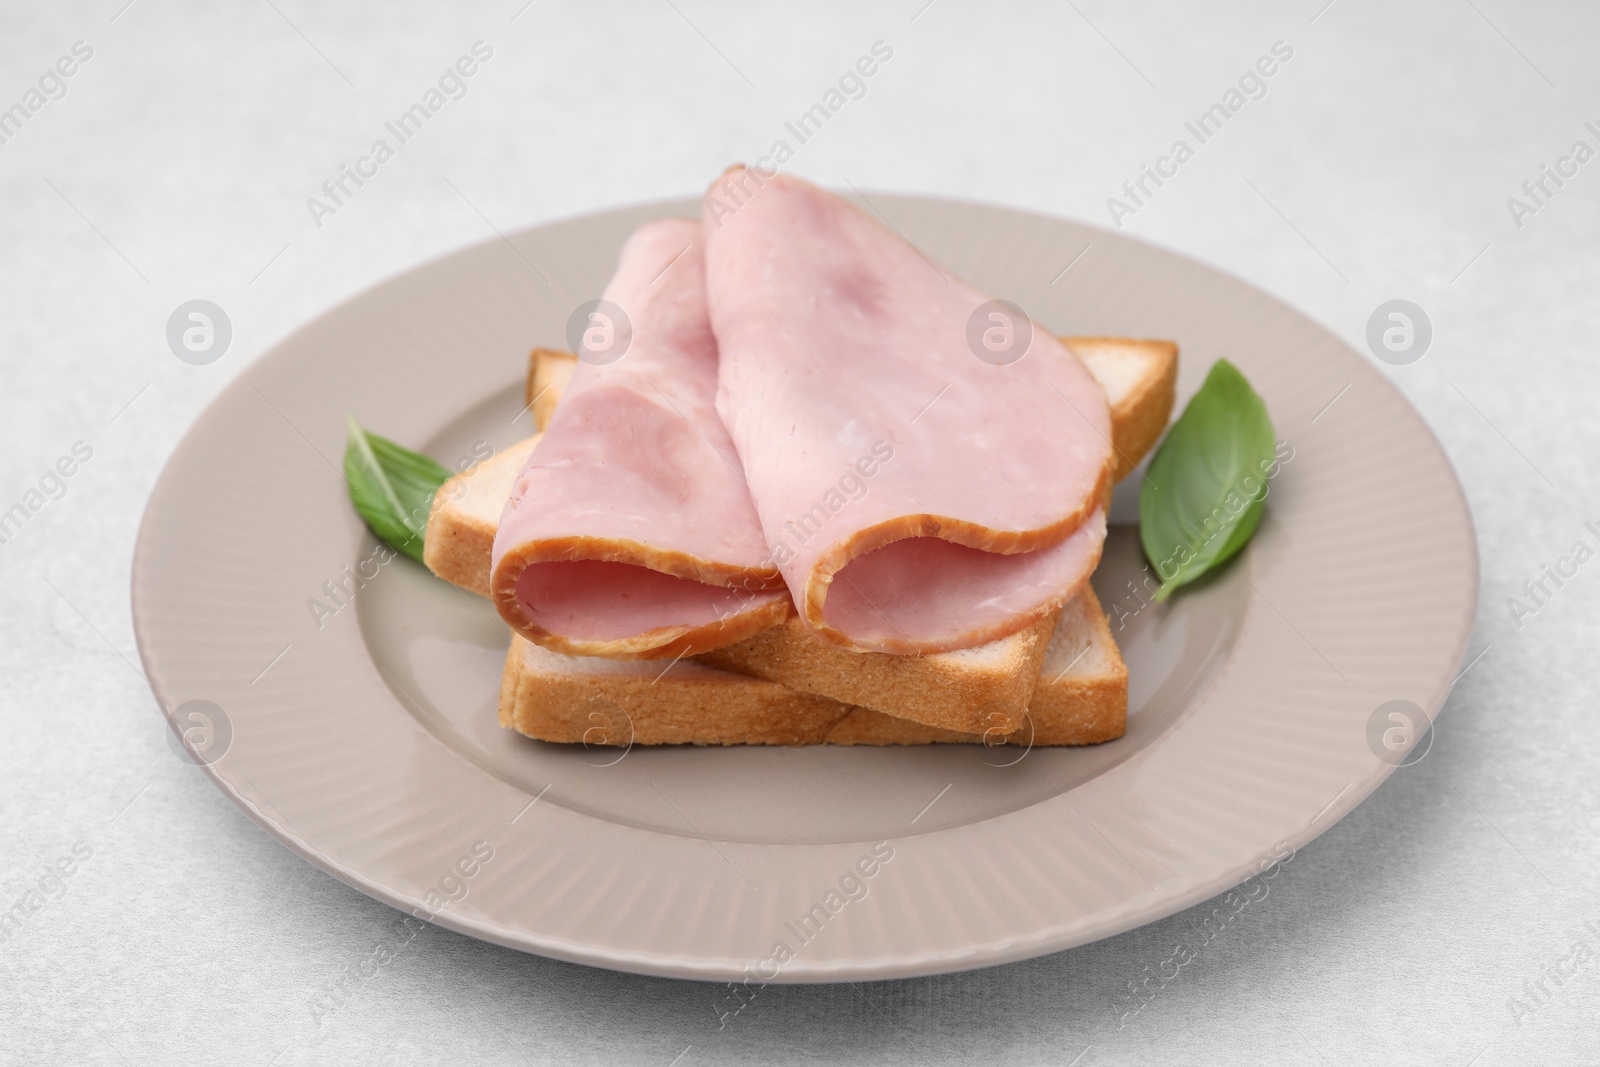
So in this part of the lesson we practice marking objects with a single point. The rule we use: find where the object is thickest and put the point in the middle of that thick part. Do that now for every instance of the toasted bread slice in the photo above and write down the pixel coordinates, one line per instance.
(1141, 380)
(980, 689)
(1081, 699)
(549, 371)
(587, 700)
(459, 541)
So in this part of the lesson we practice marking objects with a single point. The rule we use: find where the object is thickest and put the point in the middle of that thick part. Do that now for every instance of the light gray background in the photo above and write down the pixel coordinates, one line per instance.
(1377, 167)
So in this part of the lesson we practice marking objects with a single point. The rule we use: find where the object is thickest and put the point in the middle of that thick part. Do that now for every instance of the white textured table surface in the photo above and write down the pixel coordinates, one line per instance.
(1451, 919)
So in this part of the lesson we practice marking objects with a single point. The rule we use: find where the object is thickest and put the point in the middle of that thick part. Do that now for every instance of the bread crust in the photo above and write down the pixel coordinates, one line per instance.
(685, 706)
(549, 371)
(458, 544)
(958, 692)
(553, 698)
(1139, 416)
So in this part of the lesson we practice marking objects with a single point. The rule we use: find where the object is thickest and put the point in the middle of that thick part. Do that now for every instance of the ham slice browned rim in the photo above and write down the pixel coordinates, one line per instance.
(920, 490)
(630, 532)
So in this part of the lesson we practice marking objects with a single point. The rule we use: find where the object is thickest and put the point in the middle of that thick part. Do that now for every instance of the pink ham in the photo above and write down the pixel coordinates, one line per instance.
(630, 533)
(916, 498)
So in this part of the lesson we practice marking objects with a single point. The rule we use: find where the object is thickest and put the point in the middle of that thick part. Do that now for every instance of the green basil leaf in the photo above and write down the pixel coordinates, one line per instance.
(1207, 485)
(391, 487)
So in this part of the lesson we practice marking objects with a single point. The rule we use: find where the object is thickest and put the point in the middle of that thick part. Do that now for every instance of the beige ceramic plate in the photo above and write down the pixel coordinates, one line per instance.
(365, 738)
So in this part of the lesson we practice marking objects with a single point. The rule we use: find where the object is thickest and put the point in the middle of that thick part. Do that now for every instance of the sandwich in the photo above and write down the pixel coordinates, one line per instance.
(1064, 677)
(798, 486)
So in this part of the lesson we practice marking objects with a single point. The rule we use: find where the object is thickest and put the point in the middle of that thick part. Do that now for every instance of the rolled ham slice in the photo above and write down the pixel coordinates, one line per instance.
(630, 532)
(917, 498)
